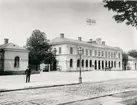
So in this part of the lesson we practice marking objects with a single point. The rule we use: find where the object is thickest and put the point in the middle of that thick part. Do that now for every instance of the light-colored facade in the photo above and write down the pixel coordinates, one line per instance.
(13, 57)
(132, 63)
(96, 55)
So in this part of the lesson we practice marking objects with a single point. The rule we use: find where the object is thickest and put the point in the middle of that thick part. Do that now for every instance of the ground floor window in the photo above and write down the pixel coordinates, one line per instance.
(115, 64)
(102, 64)
(111, 63)
(78, 63)
(86, 63)
(95, 63)
(90, 63)
(119, 64)
(71, 62)
(82, 63)
(16, 62)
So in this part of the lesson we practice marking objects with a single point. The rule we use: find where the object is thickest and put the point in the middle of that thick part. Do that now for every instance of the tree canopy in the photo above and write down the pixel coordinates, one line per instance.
(124, 60)
(40, 50)
(133, 53)
(126, 11)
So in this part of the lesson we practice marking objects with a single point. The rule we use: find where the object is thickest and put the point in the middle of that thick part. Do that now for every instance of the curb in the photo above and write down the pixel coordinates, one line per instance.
(36, 87)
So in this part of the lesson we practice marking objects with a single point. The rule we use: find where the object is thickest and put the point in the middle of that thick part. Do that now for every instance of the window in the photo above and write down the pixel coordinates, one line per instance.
(111, 63)
(82, 63)
(86, 51)
(95, 52)
(111, 54)
(118, 55)
(86, 63)
(90, 52)
(102, 53)
(99, 53)
(115, 64)
(119, 64)
(71, 63)
(90, 63)
(106, 53)
(114, 55)
(71, 50)
(59, 50)
(78, 63)
(16, 62)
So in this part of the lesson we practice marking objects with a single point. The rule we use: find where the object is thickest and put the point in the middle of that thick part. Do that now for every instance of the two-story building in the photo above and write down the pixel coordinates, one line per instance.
(96, 54)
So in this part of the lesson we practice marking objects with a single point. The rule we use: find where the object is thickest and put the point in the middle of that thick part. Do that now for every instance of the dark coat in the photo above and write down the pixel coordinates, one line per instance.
(28, 71)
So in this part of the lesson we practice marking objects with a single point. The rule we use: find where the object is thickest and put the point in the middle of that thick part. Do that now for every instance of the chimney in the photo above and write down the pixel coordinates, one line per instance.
(80, 38)
(62, 35)
(6, 41)
(103, 42)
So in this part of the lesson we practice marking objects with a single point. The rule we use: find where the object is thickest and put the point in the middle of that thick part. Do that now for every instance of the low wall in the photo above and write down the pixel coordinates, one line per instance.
(17, 72)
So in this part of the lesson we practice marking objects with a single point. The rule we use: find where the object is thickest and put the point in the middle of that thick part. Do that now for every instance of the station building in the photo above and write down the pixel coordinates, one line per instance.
(96, 54)
(13, 58)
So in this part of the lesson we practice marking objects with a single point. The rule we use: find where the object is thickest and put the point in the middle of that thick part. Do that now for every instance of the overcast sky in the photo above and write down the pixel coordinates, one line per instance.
(18, 18)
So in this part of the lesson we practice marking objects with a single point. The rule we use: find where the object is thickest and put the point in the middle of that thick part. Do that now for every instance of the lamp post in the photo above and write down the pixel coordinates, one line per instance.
(80, 52)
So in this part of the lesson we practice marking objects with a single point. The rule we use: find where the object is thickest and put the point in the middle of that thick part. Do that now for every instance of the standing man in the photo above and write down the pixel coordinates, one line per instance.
(28, 73)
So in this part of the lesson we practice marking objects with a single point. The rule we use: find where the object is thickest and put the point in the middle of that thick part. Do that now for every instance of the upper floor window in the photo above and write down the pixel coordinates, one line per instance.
(95, 52)
(59, 50)
(114, 55)
(90, 52)
(16, 62)
(111, 54)
(106, 54)
(118, 55)
(102, 53)
(86, 51)
(98, 53)
(71, 50)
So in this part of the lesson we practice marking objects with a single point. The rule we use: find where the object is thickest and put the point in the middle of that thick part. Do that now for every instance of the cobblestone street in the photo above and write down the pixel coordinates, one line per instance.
(64, 94)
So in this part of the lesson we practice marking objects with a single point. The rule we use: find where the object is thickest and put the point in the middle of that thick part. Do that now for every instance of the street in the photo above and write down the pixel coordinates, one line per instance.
(80, 94)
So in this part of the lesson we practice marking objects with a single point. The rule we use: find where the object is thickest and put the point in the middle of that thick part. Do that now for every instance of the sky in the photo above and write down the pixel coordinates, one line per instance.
(18, 18)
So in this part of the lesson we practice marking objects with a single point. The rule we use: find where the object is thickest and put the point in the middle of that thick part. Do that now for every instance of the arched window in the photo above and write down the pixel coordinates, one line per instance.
(90, 63)
(106, 64)
(115, 64)
(111, 63)
(71, 62)
(102, 64)
(16, 61)
(119, 65)
(78, 63)
(95, 64)
(86, 63)
(99, 65)
(82, 63)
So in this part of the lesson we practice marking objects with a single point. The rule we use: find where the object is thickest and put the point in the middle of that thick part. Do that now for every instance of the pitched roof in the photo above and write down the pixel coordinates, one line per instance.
(12, 46)
(131, 58)
(59, 40)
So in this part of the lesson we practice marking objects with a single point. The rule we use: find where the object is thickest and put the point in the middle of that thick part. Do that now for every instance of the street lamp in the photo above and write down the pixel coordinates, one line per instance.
(80, 52)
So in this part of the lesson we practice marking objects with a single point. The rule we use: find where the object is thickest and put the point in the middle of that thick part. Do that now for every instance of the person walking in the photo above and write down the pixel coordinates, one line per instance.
(28, 73)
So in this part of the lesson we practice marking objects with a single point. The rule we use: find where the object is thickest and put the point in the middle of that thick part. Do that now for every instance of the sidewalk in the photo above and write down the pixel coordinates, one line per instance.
(49, 79)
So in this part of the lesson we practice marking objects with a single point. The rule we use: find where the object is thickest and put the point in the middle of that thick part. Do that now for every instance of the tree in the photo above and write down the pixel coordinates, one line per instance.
(39, 48)
(126, 11)
(124, 60)
(133, 53)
